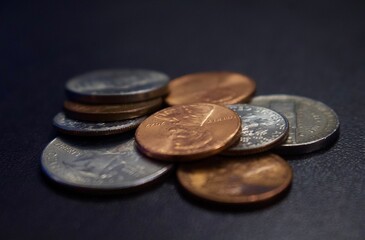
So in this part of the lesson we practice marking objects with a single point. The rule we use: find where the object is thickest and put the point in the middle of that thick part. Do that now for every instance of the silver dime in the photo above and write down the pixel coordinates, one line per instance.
(117, 86)
(262, 129)
(107, 164)
(80, 128)
(312, 124)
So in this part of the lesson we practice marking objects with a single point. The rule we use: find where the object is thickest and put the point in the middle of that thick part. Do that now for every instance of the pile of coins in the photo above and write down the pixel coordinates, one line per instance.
(221, 145)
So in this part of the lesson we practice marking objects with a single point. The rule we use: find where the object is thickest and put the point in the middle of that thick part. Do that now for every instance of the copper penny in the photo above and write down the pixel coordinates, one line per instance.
(188, 132)
(211, 87)
(111, 112)
(237, 180)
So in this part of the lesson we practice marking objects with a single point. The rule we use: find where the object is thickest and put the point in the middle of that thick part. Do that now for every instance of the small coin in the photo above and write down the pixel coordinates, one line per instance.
(111, 112)
(108, 164)
(117, 86)
(79, 128)
(262, 129)
(211, 87)
(188, 132)
(236, 180)
(312, 124)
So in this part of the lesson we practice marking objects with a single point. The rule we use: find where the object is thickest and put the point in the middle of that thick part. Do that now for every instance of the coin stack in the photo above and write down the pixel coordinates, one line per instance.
(110, 102)
(222, 145)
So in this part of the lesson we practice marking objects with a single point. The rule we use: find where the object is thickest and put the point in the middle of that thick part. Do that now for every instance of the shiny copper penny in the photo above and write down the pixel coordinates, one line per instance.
(211, 87)
(237, 180)
(111, 112)
(188, 132)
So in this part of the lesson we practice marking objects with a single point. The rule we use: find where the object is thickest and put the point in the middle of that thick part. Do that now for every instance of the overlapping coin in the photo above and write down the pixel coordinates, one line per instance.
(117, 86)
(211, 87)
(111, 112)
(79, 128)
(236, 180)
(262, 129)
(107, 164)
(312, 124)
(188, 132)
(197, 126)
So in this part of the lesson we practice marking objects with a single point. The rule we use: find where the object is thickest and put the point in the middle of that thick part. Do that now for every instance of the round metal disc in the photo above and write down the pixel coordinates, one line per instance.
(79, 128)
(188, 132)
(262, 129)
(117, 86)
(312, 124)
(107, 164)
(238, 180)
(211, 87)
(110, 112)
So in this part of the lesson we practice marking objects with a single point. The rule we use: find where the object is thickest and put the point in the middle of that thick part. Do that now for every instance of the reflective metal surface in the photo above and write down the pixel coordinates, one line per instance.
(117, 86)
(211, 87)
(236, 180)
(312, 124)
(262, 129)
(107, 164)
(75, 127)
(188, 132)
(110, 112)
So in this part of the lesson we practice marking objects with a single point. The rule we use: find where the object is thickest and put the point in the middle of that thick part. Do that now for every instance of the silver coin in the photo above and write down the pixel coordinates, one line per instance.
(80, 128)
(108, 164)
(117, 86)
(262, 129)
(312, 124)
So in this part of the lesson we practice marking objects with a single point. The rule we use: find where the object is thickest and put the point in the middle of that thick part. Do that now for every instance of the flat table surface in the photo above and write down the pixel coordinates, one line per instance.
(314, 49)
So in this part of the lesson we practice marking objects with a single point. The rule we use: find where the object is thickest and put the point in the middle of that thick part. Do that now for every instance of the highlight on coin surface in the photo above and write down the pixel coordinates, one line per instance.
(117, 86)
(211, 87)
(262, 129)
(188, 132)
(107, 164)
(312, 124)
(239, 180)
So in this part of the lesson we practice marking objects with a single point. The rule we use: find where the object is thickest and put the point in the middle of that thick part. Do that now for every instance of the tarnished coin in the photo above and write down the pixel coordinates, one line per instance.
(236, 180)
(188, 132)
(111, 112)
(262, 129)
(108, 164)
(312, 124)
(211, 87)
(117, 86)
(79, 128)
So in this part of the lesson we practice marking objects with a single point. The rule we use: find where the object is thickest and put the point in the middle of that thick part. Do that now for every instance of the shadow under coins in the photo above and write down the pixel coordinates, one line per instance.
(304, 156)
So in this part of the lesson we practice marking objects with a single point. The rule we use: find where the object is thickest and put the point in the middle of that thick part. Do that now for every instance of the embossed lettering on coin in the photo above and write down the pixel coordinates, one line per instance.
(211, 87)
(312, 124)
(188, 132)
(236, 180)
(262, 129)
(106, 164)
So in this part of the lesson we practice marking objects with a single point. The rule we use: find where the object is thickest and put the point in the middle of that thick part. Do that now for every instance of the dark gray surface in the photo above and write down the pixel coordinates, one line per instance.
(313, 48)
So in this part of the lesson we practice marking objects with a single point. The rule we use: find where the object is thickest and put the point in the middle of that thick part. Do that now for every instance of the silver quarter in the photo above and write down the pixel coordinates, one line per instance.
(74, 127)
(112, 164)
(117, 86)
(262, 129)
(312, 124)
